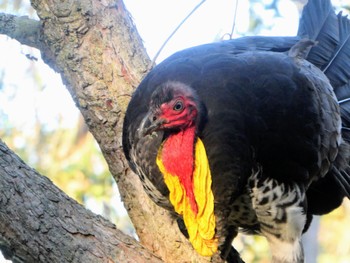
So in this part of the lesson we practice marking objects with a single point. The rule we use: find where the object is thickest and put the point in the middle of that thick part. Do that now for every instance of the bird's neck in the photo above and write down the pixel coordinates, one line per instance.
(178, 159)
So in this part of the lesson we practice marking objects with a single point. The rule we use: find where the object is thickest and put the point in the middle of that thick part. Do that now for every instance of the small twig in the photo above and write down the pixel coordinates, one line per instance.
(173, 33)
(233, 23)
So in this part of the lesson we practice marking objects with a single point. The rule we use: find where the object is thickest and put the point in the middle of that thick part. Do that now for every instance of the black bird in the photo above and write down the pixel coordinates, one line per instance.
(248, 134)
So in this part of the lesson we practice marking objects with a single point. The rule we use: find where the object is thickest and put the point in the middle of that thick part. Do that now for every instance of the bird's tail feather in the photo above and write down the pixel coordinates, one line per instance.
(332, 53)
(320, 23)
(343, 180)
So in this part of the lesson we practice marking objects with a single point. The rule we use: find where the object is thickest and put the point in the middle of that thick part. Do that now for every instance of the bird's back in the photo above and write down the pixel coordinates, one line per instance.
(253, 100)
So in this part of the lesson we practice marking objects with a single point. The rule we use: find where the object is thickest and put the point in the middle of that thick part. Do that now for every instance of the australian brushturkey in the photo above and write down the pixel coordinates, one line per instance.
(248, 134)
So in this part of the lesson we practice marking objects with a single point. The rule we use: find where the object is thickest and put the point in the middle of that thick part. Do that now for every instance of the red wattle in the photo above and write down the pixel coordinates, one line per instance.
(178, 159)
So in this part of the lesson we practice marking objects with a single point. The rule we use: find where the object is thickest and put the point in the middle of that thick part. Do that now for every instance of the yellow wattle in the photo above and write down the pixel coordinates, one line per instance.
(200, 226)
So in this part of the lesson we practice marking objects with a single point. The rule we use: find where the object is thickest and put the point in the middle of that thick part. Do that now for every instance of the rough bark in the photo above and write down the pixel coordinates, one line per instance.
(39, 223)
(95, 47)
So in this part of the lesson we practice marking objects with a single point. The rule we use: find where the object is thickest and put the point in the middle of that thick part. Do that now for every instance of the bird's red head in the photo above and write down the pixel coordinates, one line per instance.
(173, 106)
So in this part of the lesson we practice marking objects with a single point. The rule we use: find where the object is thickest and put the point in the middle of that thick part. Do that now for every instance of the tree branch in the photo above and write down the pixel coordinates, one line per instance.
(57, 228)
(23, 29)
(95, 47)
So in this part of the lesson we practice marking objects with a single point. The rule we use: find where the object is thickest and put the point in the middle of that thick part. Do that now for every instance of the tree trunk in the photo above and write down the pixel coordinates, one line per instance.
(95, 47)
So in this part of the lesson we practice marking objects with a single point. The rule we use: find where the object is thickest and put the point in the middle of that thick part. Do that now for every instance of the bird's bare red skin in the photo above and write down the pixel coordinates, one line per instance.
(177, 157)
(178, 149)
(179, 119)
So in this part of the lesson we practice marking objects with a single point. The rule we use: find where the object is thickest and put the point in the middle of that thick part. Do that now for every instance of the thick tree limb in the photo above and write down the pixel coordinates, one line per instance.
(39, 223)
(23, 29)
(95, 47)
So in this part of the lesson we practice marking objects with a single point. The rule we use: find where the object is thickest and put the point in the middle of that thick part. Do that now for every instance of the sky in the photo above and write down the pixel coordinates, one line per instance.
(156, 19)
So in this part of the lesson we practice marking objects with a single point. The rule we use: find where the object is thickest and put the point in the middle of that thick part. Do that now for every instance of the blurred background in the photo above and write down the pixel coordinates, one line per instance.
(39, 121)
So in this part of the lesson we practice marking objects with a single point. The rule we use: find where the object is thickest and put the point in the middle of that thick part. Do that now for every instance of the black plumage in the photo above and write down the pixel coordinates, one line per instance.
(267, 111)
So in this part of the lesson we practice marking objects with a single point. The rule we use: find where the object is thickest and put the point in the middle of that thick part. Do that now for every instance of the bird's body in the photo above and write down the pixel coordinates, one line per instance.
(267, 125)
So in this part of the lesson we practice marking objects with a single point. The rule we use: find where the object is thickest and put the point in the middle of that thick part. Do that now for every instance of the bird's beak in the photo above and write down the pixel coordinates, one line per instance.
(152, 124)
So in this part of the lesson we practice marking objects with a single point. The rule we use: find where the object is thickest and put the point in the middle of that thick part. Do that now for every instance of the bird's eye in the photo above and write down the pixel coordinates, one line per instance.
(178, 106)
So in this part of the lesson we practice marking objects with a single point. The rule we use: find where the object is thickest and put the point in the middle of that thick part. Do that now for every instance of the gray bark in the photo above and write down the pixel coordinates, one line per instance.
(40, 223)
